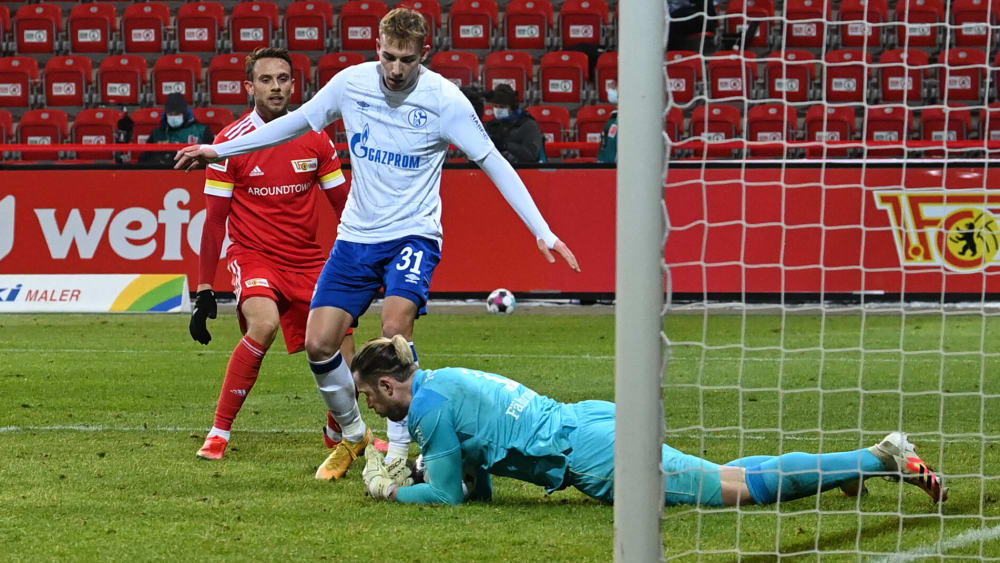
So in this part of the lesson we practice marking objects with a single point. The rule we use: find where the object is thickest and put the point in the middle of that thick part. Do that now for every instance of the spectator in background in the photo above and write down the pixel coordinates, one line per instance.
(609, 137)
(515, 133)
(688, 24)
(178, 125)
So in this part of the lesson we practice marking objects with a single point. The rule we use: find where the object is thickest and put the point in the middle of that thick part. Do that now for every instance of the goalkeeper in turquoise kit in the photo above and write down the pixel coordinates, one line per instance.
(472, 424)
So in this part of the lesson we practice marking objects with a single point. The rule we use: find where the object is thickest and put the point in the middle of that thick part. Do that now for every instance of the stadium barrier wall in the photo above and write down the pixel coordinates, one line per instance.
(737, 228)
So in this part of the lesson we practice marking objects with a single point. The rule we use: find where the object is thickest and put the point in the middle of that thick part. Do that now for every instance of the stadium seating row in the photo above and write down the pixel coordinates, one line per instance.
(70, 80)
(866, 23)
(98, 126)
(962, 75)
(772, 122)
(307, 25)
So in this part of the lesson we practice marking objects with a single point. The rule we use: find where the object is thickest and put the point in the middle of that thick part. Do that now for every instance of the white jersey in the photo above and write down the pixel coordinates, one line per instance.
(398, 143)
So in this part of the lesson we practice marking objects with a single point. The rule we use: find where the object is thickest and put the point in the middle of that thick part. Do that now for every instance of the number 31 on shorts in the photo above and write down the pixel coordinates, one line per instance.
(408, 255)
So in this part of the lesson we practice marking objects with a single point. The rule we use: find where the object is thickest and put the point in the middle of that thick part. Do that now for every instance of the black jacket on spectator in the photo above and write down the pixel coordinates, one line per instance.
(518, 137)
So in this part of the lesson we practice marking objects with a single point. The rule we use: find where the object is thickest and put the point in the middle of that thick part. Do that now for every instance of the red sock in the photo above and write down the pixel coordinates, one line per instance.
(241, 374)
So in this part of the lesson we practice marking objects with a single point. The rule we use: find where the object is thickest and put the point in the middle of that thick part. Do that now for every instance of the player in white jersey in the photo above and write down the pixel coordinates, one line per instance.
(400, 118)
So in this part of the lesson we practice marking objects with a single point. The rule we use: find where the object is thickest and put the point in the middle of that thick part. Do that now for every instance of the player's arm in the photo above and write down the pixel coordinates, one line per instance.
(330, 176)
(315, 114)
(218, 201)
(461, 126)
(438, 440)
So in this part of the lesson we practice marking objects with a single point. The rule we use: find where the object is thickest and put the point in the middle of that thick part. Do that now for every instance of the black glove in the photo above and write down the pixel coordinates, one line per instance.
(204, 308)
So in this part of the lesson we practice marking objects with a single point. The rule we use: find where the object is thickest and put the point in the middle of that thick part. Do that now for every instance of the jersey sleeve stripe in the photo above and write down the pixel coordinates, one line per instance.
(220, 185)
(332, 179)
(218, 192)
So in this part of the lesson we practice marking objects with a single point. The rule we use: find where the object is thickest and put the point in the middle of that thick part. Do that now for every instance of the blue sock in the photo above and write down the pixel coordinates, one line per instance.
(796, 474)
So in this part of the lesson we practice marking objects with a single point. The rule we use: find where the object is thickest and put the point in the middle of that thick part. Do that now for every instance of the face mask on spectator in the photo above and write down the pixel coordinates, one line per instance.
(175, 121)
(612, 96)
(501, 113)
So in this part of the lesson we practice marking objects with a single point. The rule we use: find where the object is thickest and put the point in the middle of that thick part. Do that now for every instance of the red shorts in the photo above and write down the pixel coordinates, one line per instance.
(291, 290)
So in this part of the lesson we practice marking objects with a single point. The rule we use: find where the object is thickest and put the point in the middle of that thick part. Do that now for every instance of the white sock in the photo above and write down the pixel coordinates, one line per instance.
(336, 386)
(218, 432)
(399, 440)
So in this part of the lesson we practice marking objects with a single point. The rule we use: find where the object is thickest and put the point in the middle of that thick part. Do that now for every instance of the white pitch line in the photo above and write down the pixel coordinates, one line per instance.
(686, 433)
(961, 540)
(914, 358)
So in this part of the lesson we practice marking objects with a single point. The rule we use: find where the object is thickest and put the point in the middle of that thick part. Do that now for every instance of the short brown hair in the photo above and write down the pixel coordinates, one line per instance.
(379, 357)
(403, 26)
(266, 53)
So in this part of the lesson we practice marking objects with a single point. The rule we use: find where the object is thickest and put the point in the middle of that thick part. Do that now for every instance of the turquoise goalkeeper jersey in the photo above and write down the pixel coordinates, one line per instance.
(490, 425)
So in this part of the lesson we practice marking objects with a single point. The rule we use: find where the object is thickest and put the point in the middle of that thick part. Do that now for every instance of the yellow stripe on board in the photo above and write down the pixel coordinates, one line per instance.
(138, 287)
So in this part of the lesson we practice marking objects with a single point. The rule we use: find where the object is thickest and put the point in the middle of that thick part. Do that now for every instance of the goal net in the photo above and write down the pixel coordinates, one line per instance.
(831, 265)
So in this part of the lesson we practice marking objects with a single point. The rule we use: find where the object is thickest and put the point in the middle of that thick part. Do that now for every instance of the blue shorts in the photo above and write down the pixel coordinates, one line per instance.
(356, 271)
(688, 479)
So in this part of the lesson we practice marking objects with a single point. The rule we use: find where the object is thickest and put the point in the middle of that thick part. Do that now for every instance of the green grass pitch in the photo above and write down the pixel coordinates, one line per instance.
(100, 417)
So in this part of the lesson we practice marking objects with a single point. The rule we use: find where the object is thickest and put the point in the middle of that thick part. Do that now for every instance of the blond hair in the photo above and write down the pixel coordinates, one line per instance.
(405, 27)
(379, 357)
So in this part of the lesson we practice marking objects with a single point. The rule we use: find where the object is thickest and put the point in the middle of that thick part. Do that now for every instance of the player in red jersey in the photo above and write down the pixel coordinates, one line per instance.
(273, 257)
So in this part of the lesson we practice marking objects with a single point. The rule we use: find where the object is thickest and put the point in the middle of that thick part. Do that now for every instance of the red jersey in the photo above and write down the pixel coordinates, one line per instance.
(273, 211)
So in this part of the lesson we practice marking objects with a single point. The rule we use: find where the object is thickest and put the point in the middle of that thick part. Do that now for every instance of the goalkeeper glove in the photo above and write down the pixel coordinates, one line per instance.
(376, 475)
(399, 472)
(204, 308)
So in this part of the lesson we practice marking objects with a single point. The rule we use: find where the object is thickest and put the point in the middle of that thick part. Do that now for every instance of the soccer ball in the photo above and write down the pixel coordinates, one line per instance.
(501, 302)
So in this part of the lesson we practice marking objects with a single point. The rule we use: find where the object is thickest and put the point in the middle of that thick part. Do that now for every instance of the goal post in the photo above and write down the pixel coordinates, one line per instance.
(639, 284)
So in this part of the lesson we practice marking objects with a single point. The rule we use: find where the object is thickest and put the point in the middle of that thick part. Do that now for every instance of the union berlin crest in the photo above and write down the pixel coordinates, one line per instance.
(957, 229)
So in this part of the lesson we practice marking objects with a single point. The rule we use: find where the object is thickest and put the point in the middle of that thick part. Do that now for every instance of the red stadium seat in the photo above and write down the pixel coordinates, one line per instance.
(989, 123)
(460, 67)
(225, 77)
(472, 24)
(829, 123)
(308, 24)
(732, 74)
(888, 123)
(581, 21)
(972, 19)
(43, 127)
(674, 124)
(590, 122)
(901, 78)
(359, 24)
(963, 78)
(607, 74)
(6, 126)
(302, 73)
(17, 75)
(144, 27)
(527, 24)
(176, 73)
(684, 73)
(554, 123)
(332, 63)
(95, 127)
(859, 21)
(253, 24)
(338, 134)
(513, 68)
(563, 76)
(121, 79)
(919, 23)
(847, 74)
(92, 27)
(37, 28)
(807, 34)
(199, 26)
(736, 19)
(66, 80)
(938, 124)
(716, 123)
(790, 74)
(144, 122)
(215, 118)
(5, 25)
(771, 123)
